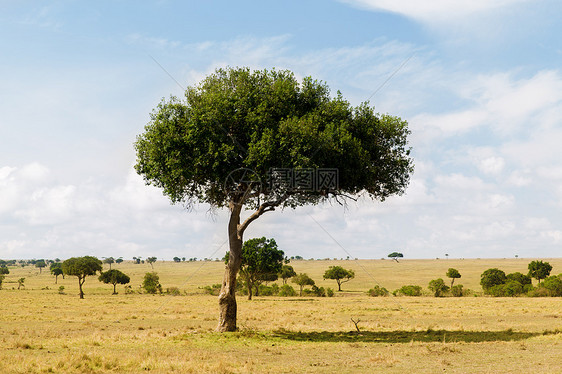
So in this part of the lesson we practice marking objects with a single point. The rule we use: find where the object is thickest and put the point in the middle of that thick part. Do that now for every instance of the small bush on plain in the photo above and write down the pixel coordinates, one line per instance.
(378, 291)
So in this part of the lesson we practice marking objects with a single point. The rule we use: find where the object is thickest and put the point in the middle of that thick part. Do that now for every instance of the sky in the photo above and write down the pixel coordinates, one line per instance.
(479, 82)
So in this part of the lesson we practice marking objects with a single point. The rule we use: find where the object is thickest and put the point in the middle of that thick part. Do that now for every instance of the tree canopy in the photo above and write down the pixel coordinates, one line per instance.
(539, 270)
(81, 267)
(286, 272)
(56, 270)
(492, 277)
(302, 280)
(114, 277)
(260, 140)
(453, 274)
(340, 274)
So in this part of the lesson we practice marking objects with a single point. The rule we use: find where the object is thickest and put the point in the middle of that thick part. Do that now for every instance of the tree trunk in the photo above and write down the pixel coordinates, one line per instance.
(114, 291)
(80, 282)
(56, 279)
(227, 296)
(339, 285)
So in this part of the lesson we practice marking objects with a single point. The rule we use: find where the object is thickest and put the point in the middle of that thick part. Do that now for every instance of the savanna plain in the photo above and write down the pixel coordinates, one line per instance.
(44, 331)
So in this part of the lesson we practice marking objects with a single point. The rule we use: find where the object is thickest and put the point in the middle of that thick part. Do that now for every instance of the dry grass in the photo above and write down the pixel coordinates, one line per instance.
(42, 331)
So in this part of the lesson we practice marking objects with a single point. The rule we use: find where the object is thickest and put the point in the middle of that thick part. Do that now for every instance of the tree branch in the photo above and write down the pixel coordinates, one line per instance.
(263, 208)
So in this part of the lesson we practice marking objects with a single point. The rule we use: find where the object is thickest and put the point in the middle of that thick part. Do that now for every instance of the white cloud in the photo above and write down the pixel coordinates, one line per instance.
(435, 10)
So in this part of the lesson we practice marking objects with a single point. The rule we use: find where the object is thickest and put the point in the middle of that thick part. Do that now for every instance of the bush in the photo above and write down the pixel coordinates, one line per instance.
(378, 291)
(329, 292)
(268, 290)
(151, 283)
(511, 288)
(409, 290)
(438, 287)
(174, 291)
(129, 290)
(457, 290)
(61, 290)
(519, 277)
(287, 290)
(315, 291)
(214, 290)
(538, 292)
(553, 285)
(491, 278)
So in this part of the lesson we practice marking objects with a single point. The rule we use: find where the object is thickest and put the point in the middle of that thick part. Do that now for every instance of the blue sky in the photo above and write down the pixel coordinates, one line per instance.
(480, 83)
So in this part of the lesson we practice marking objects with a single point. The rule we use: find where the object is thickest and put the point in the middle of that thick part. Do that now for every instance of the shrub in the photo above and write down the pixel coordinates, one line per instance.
(174, 291)
(214, 290)
(378, 291)
(268, 290)
(151, 283)
(329, 292)
(61, 290)
(129, 290)
(553, 285)
(510, 288)
(539, 292)
(457, 290)
(438, 287)
(287, 290)
(409, 290)
(519, 277)
(318, 291)
(491, 278)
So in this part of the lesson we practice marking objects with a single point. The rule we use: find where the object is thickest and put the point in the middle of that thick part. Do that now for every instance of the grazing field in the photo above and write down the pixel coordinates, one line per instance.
(42, 331)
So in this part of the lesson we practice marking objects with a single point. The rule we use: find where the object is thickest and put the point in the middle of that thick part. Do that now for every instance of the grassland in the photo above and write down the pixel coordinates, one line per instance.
(42, 331)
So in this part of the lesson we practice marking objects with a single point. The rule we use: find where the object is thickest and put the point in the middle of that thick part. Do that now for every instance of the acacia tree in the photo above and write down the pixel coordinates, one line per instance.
(114, 277)
(539, 270)
(40, 264)
(453, 274)
(340, 274)
(261, 260)
(109, 260)
(81, 267)
(151, 261)
(395, 256)
(238, 138)
(287, 272)
(303, 280)
(56, 270)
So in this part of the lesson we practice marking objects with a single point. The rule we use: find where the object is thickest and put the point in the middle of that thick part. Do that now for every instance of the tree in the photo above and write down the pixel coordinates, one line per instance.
(340, 274)
(177, 259)
(261, 261)
(20, 283)
(554, 285)
(81, 267)
(453, 274)
(114, 277)
(4, 270)
(287, 272)
(56, 270)
(119, 260)
(151, 261)
(438, 287)
(539, 270)
(151, 283)
(2, 276)
(519, 277)
(302, 280)
(237, 138)
(109, 260)
(40, 264)
(395, 256)
(492, 277)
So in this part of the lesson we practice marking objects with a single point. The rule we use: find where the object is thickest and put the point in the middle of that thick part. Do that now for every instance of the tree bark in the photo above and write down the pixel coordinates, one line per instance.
(227, 296)
(80, 282)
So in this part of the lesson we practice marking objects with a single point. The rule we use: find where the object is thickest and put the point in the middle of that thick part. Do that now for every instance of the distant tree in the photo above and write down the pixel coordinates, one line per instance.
(519, 277)
(340, 274)
(119, 260)
(57, 259)
(114, 277)
(183, 259)
(151, 261)
(109, 260)
(287, 272)
(539, 270)
(20, 283)
(151, 283)
(137, 260)
(453, 274)
(81, 267)
(438, 287)
(395, 256)
(261, 260)
(56, 270)
(40, 264)
(4, 270)
(302, 280)
(492, 277)
(177, 259)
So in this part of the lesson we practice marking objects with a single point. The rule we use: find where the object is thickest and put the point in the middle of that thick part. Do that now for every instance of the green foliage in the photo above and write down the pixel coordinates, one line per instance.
(302, 280)
(21, 282)
(492, 277)
(519, 277)
(109, 261)
(409, 290)
(395, 255)
(2, 276)
(510, 288)
(340, 274)
(177, 259)
(457, 291)
(4, 270)
(438, 287)
(286, 272)
(329, 292)
(114, 277)
(539, 270)
(151, 261)
(40, 264)
(56, 270)
(268, 290)
(151, 283)
(554, 285)
(261, 261)
(61, 290)
(215, 289)
(378, 291)
(317, 291)
(238, 118)
(287, 290)
(453, 274)
(81, 267)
